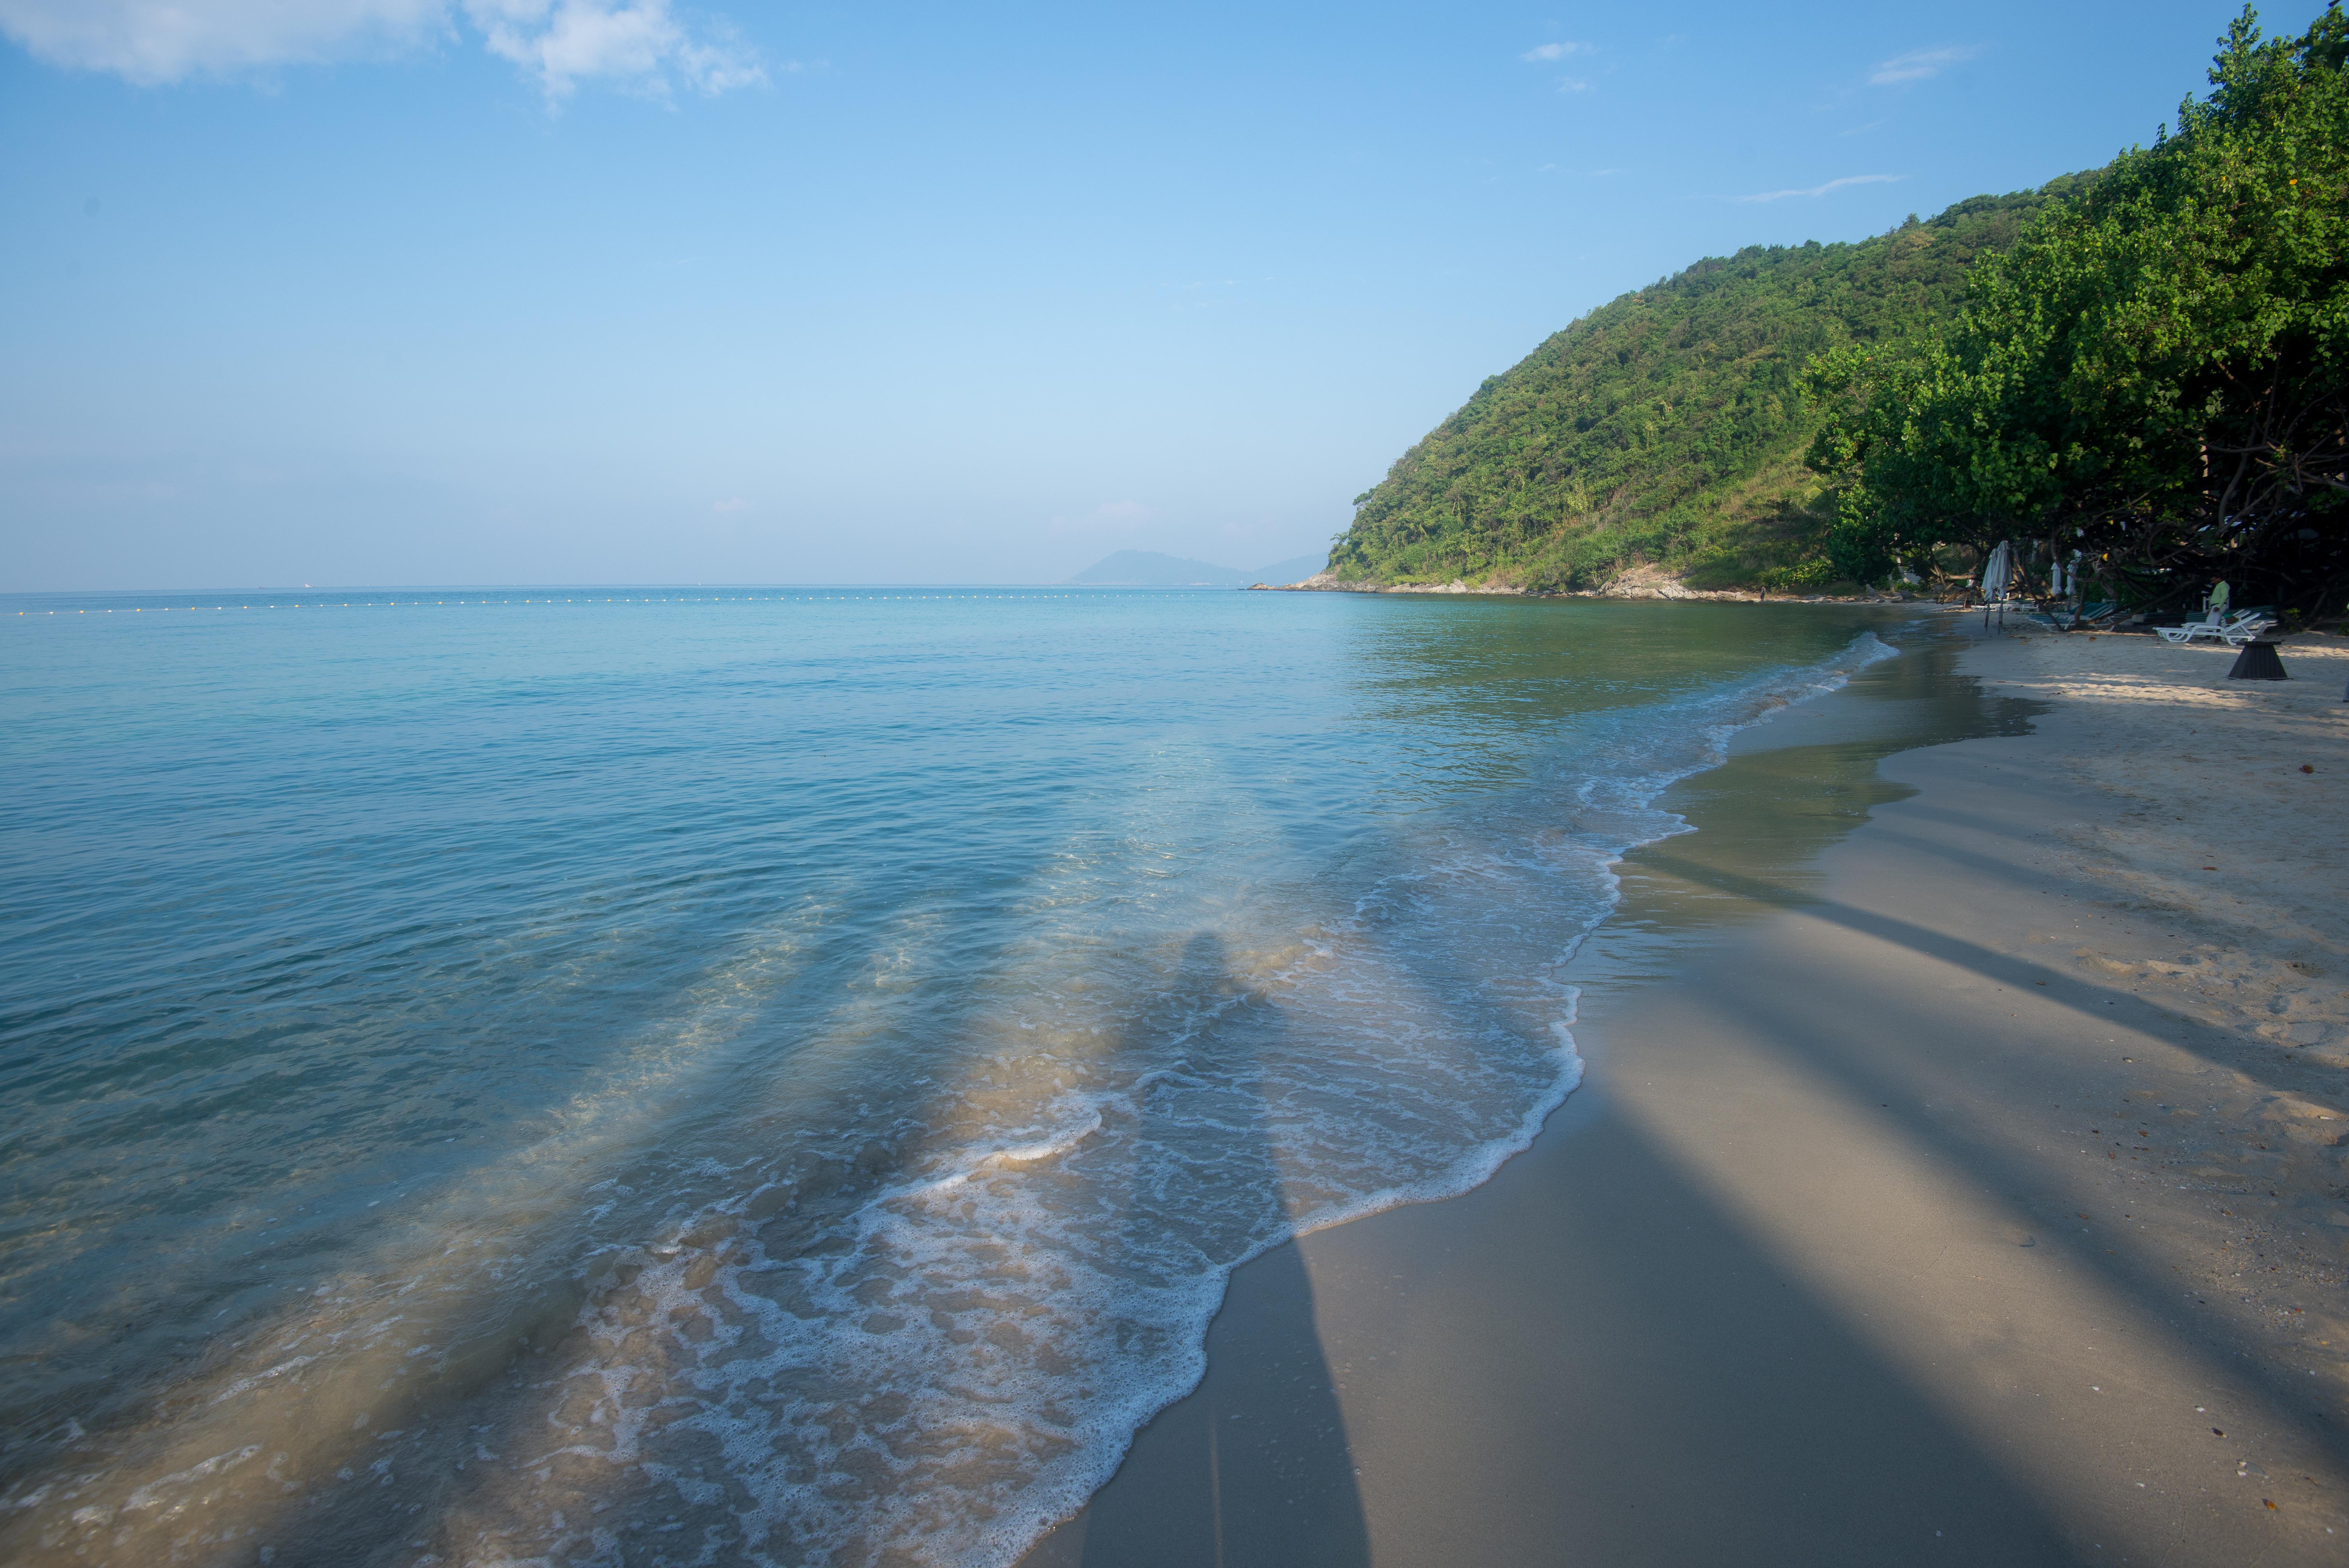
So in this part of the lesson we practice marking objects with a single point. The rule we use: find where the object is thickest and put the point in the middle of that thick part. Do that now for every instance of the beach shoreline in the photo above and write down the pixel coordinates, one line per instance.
(1637, 583)
(1961, 1183)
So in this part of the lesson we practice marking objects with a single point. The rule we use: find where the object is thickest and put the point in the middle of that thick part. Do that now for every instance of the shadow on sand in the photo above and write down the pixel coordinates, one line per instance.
(1266, 1476)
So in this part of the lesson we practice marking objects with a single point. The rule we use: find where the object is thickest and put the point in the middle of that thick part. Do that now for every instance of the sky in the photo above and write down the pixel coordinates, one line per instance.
(401, 291)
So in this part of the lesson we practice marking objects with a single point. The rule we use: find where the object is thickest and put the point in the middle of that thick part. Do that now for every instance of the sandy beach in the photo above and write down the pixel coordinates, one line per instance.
(1957, 1176)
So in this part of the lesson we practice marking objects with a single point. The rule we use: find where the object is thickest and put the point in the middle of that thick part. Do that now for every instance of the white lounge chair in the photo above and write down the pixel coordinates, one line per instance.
(2235, 630)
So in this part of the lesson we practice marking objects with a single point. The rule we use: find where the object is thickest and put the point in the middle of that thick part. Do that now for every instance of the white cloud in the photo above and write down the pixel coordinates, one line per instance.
(1544, 53)
(732, 503)
(1822, 189)
(1916, 65)
(150, 41)
(639, 43)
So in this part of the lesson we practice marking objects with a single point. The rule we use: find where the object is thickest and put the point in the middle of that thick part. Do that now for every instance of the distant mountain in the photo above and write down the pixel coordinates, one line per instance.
(1149, 569)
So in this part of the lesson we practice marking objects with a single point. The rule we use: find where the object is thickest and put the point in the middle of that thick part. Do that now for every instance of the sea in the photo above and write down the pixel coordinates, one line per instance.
(757, 1075)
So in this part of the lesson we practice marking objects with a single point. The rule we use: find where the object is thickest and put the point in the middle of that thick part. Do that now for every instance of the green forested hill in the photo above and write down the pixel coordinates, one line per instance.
(1668, 426)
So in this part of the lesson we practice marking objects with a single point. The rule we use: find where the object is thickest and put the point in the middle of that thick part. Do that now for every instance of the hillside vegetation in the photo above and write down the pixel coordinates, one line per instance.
(2152, 388)
(1669, 427)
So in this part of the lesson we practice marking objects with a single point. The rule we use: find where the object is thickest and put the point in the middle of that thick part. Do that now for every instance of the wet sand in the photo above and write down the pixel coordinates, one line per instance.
(1957, 1178)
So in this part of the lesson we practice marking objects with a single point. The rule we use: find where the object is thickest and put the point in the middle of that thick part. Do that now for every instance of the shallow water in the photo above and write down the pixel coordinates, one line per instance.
(758, 1076)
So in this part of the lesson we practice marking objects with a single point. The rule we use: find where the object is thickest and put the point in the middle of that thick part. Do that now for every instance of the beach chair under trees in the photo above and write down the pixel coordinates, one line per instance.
(2233, 630)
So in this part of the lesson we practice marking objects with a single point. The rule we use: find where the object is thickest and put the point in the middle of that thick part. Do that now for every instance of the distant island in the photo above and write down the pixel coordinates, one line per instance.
(1150, 569)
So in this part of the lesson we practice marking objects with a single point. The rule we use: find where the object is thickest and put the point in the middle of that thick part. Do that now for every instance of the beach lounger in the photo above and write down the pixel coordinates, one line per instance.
(2091, 616)
(2224, 631)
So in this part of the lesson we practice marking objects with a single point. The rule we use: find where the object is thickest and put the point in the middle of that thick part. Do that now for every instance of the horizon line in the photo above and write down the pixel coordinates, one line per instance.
(569, 587)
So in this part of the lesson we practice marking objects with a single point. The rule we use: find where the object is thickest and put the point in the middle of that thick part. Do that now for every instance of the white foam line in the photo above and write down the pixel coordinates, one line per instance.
(1022, 1154)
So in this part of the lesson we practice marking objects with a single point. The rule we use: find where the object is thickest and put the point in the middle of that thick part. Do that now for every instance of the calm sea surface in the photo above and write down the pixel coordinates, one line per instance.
(761, 1077)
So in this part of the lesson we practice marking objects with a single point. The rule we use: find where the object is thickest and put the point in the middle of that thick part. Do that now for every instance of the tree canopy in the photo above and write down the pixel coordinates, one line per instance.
(2153, 375)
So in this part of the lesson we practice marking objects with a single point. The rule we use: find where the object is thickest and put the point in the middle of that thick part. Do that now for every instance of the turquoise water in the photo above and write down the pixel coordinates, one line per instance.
(755, 1077)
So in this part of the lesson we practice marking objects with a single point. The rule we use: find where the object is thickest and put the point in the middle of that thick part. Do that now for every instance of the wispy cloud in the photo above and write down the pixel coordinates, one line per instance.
(1822, 189)
(639, 44)
(1549, 54)
(1917, 65)
(732, 503)
(154, 41)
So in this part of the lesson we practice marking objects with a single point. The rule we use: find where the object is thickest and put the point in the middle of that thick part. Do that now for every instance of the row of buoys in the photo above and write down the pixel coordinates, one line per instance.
(395, 603)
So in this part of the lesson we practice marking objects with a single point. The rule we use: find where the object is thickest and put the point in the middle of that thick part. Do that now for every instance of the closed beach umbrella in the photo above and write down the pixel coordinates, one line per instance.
(1997, 570)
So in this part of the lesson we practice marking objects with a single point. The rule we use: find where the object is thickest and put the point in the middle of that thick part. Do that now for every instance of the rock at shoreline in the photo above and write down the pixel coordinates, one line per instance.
(1642, 582)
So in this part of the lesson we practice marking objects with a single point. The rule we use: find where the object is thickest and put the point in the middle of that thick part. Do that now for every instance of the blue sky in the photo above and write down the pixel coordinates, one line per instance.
(563, 291)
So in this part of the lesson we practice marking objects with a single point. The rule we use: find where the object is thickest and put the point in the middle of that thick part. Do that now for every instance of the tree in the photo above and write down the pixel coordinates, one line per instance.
(2157, 373)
